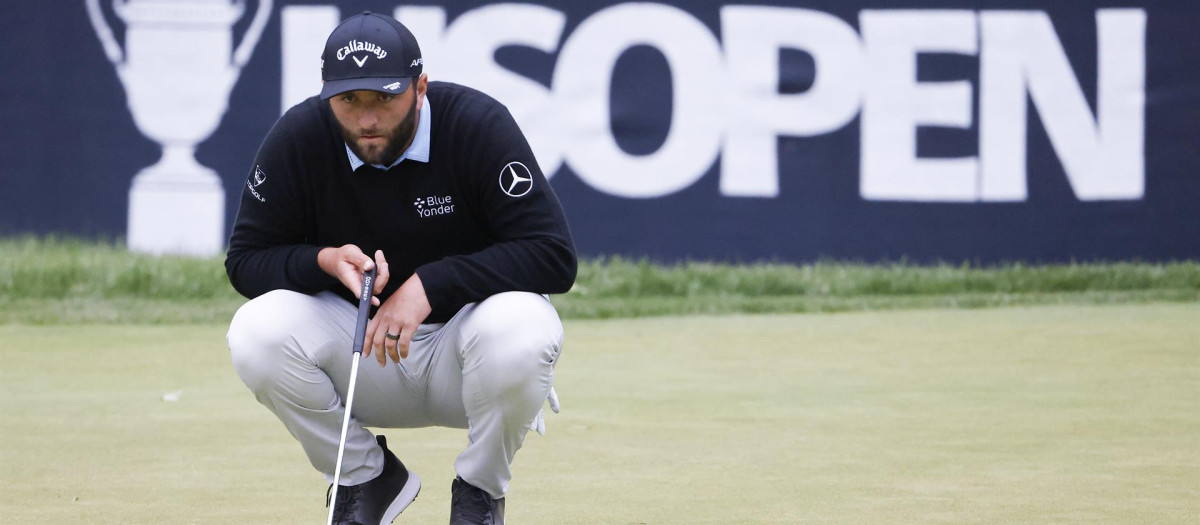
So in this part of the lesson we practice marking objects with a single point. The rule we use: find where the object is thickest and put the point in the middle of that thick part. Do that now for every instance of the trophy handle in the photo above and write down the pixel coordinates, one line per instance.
(111, 48)
(250, 39)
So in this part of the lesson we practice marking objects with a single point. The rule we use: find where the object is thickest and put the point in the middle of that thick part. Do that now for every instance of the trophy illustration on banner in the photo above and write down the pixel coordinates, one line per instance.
(178, 68)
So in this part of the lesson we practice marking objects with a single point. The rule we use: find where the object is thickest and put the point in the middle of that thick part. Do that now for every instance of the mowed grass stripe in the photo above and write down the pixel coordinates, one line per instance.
(1061, 414)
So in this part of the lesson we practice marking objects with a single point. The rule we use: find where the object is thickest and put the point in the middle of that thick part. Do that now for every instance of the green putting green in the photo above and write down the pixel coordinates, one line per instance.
(1050, 414)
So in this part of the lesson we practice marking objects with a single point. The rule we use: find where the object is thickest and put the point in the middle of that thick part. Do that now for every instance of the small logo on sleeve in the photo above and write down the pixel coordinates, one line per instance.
(515, 179)
(255, 181)
(434, 205)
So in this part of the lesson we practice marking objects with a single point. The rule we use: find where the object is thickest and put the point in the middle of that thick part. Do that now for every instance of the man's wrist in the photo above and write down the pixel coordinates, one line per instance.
(326, 260)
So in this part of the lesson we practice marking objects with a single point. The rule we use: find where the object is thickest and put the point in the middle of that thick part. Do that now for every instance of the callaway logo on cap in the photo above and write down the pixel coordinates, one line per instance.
(369, 51)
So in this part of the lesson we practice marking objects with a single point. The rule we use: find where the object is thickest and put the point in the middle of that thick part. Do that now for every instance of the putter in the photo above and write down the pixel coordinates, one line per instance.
(360, 332)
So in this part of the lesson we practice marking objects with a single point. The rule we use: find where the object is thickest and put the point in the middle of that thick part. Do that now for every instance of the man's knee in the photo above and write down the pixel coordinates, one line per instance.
(257, 336)
(515, 335)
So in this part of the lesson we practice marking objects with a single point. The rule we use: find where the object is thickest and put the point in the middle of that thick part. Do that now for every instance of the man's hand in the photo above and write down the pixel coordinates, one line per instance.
(400, 316)
(348, 264)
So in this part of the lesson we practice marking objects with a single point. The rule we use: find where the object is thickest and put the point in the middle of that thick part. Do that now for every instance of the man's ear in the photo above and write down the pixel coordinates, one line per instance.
(418, 87)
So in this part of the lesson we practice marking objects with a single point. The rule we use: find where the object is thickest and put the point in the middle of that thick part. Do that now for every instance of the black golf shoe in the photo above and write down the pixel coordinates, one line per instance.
(472, 506)
(379, 501)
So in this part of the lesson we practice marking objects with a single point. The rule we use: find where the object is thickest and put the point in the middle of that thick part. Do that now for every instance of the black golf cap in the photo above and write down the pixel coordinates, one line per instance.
(369, 51)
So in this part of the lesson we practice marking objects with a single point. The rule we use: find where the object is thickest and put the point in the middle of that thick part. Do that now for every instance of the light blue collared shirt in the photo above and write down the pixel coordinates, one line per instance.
(418, 150)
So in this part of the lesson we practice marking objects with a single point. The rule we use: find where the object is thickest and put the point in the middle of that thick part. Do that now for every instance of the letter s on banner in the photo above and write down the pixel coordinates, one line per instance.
(582, 85)
(469, 48)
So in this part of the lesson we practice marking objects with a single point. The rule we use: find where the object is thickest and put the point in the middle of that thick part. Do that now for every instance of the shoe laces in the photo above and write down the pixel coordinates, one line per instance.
(347, 503)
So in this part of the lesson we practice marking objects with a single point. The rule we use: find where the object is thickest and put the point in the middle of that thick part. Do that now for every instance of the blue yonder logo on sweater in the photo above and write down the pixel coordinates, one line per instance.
(434, 205)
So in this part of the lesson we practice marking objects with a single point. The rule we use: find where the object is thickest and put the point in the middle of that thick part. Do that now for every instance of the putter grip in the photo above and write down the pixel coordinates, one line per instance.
(364, 309)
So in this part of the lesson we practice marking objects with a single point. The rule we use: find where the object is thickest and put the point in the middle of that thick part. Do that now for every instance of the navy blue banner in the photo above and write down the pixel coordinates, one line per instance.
(928, 130)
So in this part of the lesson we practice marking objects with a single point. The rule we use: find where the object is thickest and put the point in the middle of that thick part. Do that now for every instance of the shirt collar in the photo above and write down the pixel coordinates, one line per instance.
(418, 150)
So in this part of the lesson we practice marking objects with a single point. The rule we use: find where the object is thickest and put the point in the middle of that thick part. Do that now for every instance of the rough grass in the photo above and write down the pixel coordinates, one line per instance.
(1075, 414)
(53, 268)
(53, 280)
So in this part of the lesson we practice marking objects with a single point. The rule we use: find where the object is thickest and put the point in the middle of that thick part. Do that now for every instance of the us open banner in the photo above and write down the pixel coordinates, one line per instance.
(928, 130)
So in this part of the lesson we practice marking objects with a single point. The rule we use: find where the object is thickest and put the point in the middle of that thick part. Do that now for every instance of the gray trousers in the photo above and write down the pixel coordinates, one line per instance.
(488, 370)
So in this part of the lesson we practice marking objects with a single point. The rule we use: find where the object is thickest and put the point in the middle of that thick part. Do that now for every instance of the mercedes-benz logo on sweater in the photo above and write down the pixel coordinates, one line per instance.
(515, 179)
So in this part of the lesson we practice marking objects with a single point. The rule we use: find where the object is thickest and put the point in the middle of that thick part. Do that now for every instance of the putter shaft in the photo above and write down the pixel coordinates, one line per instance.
(360, 332)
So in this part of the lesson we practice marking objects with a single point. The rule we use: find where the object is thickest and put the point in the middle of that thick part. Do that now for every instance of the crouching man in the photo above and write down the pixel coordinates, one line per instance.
(435, 186)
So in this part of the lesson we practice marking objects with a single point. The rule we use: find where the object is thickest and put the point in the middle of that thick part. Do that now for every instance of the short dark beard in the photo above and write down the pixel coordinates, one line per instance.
(398, 139)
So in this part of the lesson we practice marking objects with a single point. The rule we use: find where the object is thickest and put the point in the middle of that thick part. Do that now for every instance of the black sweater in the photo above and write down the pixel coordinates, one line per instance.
(449, 220)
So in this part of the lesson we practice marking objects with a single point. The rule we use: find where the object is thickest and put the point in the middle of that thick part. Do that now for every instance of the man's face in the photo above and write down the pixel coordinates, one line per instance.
(378, 126)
